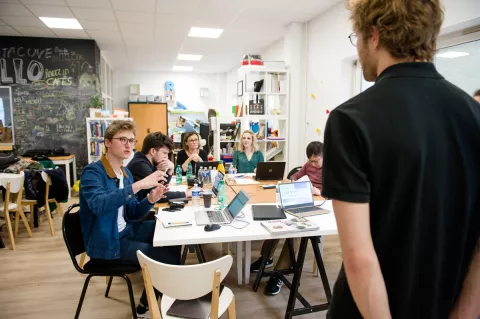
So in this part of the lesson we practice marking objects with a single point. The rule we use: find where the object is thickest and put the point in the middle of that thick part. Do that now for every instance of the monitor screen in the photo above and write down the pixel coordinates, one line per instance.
(236, 205)
(216, 182)
(296, 194)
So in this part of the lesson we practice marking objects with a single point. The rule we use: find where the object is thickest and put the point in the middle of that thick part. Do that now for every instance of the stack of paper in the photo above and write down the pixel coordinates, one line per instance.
(282, 226)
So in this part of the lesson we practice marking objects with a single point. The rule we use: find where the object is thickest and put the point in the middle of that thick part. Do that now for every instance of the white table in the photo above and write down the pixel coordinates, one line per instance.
(192, 235)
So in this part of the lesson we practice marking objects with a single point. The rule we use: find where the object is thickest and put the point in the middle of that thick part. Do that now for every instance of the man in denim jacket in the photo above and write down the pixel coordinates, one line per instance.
(109, 210)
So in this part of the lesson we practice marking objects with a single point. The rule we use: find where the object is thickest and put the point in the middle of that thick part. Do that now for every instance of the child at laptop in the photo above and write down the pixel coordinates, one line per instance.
(312, 169)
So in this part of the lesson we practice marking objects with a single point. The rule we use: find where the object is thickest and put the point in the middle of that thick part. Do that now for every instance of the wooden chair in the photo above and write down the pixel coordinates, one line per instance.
(201, 279)
(32, 203)
(13, 183)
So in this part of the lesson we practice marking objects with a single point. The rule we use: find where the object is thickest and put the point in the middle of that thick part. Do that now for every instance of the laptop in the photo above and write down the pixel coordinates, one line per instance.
(297, 199)
(225, 216)
(216, 182)
(267, 212)
(270, 171)
(206, 165)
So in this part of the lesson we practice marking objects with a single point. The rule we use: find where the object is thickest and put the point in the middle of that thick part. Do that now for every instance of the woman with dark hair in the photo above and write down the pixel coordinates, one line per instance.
(191, 152)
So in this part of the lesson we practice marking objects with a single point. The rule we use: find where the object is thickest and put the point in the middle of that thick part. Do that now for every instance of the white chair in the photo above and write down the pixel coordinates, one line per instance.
(13, 183)
(201, 279)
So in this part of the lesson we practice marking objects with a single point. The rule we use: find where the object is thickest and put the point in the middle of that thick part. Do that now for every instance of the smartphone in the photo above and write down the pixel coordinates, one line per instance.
(164, 182)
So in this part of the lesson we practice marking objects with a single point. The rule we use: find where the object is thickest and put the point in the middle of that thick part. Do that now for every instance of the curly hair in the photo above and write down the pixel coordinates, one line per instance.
(156, 140)
(476, 93)
(407, 28)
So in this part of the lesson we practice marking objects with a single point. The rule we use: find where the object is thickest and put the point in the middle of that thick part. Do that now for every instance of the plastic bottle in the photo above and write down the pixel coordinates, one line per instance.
(189, 171)
(178, 175)
(222, 195)
(196, 196)
(221, 168)
(213, 175)
(231, 169)
(207, 175)
(200, 175)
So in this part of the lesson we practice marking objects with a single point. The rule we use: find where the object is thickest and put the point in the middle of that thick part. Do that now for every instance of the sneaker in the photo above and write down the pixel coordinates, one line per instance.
(255, 267)
(273, 286)
(143, 314)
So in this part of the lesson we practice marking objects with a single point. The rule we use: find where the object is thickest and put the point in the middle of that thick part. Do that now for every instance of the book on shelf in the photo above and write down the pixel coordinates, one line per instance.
(282, 226)
(97, 129)
(97, 148)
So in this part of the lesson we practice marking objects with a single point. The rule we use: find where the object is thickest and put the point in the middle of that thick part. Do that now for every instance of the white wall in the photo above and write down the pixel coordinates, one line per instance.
(275, 52)
(330, 56)
(187, 87)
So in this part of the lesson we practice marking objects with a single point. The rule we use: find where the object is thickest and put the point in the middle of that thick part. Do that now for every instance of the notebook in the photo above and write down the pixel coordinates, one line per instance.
(284, 226)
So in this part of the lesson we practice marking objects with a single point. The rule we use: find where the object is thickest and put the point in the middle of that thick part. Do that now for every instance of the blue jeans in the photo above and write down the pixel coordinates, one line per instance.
(139, 236)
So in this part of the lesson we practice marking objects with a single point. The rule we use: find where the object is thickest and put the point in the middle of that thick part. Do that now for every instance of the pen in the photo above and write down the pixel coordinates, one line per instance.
(177, 223)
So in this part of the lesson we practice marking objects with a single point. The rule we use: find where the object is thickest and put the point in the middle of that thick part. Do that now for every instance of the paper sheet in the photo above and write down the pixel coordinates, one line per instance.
(303, 179)
(245, 181)
(178, 188)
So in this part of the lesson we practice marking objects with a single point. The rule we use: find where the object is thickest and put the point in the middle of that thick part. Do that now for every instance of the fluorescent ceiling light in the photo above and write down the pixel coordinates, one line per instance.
(190, 57)
(182, 68)
(61, 23)
(205, 32)
(452, 54)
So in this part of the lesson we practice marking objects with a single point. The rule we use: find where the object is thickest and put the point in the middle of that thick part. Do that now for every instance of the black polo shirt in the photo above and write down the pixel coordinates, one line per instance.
(409, 146)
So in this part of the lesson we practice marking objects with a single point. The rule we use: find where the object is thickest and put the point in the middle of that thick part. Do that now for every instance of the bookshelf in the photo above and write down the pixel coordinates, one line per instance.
(96, 128)
(267, 111)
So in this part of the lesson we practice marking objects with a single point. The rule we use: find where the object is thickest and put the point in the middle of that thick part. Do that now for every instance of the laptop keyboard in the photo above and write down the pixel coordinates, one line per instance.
(215, 216)
(303, 209)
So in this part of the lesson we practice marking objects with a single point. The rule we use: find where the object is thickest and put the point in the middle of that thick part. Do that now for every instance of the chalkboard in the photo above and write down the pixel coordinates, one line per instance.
(52, 81)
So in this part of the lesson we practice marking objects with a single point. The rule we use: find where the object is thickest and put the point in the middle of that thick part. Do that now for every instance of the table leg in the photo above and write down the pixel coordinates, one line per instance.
(296, 278)
(239, 262)
(225, 249)
(74, 164)
(67, 172)
(248, 260)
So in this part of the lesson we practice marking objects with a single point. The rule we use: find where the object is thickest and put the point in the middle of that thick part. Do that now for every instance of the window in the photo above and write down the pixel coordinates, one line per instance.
(459, 65)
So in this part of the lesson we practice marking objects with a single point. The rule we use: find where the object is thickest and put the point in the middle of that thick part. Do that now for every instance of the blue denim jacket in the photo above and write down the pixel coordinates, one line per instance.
(100, 199)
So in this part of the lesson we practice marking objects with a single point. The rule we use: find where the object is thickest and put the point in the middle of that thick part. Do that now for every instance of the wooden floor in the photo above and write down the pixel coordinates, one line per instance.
(38, 280)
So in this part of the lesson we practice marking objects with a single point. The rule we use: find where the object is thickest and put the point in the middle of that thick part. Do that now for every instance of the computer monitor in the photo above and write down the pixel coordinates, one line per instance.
(296, 194)
(216, 182)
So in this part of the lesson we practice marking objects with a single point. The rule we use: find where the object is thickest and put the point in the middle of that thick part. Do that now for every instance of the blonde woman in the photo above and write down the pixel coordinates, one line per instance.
(246, 158)
(191, 153)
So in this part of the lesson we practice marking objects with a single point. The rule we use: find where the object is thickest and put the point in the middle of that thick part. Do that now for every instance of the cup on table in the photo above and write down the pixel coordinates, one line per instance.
(207, 198)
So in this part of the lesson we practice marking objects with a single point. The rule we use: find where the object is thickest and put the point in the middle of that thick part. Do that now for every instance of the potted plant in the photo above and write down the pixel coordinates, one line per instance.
(96, 104)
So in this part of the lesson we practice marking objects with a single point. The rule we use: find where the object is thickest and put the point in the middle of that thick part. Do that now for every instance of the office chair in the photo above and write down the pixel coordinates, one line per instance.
(293, 171)
(72, 234)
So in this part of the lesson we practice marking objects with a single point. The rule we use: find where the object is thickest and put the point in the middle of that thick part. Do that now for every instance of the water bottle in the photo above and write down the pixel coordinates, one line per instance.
(222, 195)
(201, 176)
(277, 195)
(207, 175)
(231, 169)
(196, 196)
(189, 171)
(213, 174)
(178, 175)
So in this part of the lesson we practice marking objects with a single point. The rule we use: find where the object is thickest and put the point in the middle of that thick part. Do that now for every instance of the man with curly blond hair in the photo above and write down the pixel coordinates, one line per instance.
(401, 164)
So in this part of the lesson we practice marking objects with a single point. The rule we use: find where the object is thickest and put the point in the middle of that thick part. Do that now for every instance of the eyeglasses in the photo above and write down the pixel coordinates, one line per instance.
(353, 39)
(124, 140)
(193, 141)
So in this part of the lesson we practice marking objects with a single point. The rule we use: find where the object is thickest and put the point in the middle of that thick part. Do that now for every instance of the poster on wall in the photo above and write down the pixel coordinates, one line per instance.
(7, 133)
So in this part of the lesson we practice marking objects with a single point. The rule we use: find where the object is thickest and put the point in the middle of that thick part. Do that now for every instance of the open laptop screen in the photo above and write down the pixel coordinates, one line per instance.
(237, 204)
(216, 182)
(297, 194)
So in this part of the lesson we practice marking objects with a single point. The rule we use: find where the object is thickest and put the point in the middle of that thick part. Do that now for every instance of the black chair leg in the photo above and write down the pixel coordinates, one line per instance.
(184, 255)
(108, 286)
(82, 296)
(130, 292)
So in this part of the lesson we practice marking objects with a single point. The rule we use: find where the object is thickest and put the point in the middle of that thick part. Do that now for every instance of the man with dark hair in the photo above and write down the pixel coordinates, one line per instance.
(312, 168)
(111, 216)
(153, 157)
(401, 164)
(476, 95)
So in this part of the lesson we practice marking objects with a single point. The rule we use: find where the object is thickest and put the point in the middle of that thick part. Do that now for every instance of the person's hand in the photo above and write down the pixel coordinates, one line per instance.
(152, 180)
(316, 191)
(255, 170)
(157, 193)
(196, 158)
(165, 165)
(188, 193)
